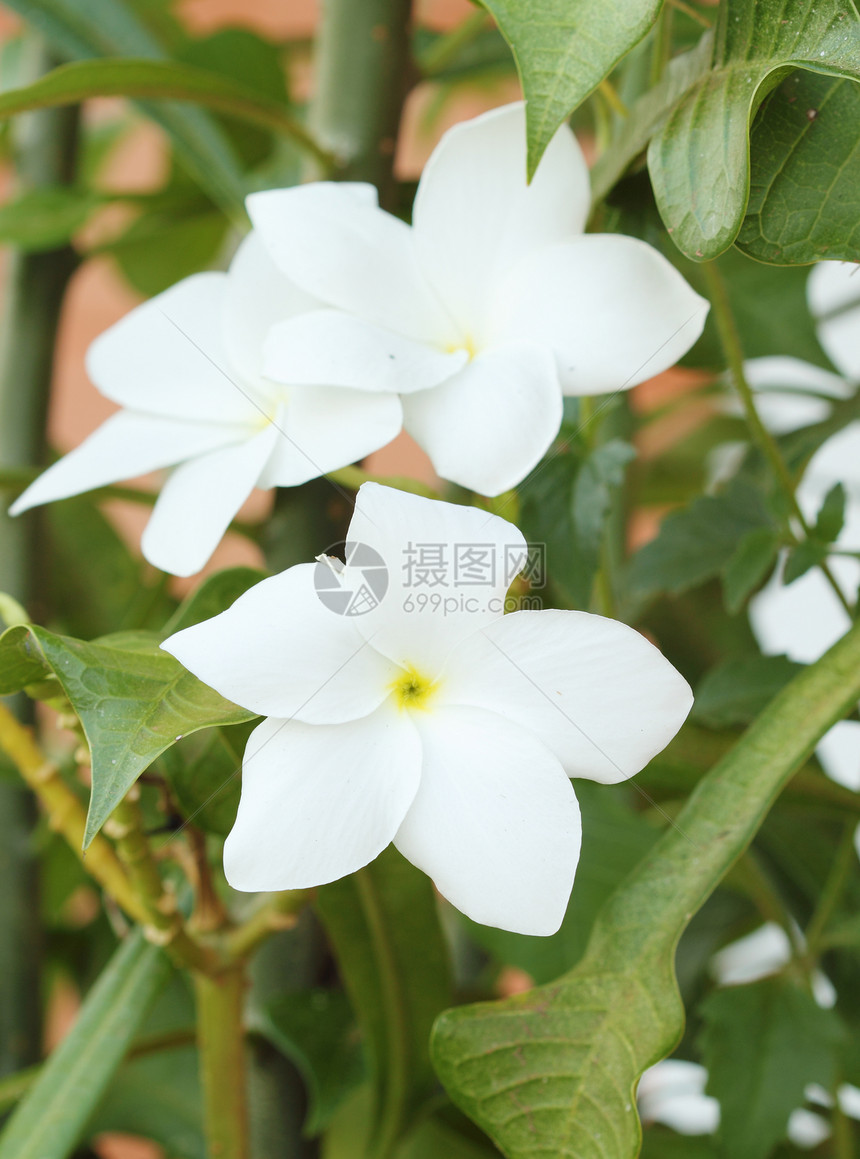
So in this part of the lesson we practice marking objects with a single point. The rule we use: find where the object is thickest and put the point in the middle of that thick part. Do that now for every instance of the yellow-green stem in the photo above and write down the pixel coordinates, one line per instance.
(221, 1042)
(280, 912)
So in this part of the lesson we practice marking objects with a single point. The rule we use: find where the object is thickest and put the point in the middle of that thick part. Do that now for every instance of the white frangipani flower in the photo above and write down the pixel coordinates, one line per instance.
(764, 952)
(433, 720)
(187, 368)
(803, 619)
(487, 310)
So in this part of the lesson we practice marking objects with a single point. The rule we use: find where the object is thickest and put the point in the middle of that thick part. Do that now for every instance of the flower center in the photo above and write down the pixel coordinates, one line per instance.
(467, 343)
(412, 690)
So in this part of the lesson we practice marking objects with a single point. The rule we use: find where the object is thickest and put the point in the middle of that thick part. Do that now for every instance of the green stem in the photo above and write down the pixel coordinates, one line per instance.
(363, 72)
(447, 48)
(840, 871)
(222, 1062)
(662, 47)
(280, 912)
(730, 341)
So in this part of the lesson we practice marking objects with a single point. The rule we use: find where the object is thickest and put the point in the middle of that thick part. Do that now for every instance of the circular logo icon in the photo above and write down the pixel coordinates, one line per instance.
(355, 587)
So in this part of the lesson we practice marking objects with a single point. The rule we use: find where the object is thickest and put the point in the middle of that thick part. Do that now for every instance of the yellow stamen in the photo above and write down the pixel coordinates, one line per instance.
(412, 690)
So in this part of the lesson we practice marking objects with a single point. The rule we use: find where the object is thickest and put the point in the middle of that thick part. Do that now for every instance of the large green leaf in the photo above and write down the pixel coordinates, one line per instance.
(553, 1071)
(762, 1045)
(384, 927)
(699, 159)
(48, 1122)
(736, 691)
(46, 218)
(111, 28)
(563, 50)
(133, 700)
(155, 80)
(805, 178)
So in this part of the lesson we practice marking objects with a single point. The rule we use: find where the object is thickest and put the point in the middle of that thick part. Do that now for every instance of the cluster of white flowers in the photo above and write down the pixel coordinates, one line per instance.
(447, 727)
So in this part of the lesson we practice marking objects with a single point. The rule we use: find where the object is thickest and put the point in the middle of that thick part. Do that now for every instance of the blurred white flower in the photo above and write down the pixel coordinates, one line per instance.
(187, 368)
(487, 310)
(422, 715)
(765, 951)
(802, 620)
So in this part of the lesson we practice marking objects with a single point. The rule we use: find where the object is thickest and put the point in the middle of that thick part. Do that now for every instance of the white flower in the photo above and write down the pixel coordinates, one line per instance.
(433, 720)
(186, 367)
(764, 952)
(802, 620)
(487, 310)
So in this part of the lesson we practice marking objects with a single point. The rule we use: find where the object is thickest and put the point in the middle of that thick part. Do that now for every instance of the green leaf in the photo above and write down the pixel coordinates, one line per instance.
(698, 541)
(563, 50)
(46, 218)
(744, 571)
(601, 473)
(133, 700)
(614, 840)
(316, 1030)
(762, 1044)
(552, 1071)
(159, 249)
(203, 772)
(111, 28)
(831, 515)
(384, 927)
(48, 1122)
(736, 691)
(699, 158)
(214, 595)
(805, 173)
(801, 559)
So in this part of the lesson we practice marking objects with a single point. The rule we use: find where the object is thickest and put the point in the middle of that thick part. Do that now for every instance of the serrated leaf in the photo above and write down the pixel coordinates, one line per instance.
(698, 541)
(744, 571)
(384, 927)
(133, 700)
(762, 1044)
(316, 1030)
(48, 1122)
(563, 50)
(699, 158)
(46, 218)
(553, 1071)
(805, 174)
(736, 691)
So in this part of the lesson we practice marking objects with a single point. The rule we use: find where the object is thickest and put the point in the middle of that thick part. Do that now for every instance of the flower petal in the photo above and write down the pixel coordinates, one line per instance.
(125, 445)
(323, 428)
(596, 692)
(257, 295)
(613, 309)
(328, 347)
(833, 291)
(510, 394)
(351, 254)
(448, 569)
(198, 501)
(167, 357)
(495, 821)
(475, 215)
(320, 802)
(280, 652)
(788, 392)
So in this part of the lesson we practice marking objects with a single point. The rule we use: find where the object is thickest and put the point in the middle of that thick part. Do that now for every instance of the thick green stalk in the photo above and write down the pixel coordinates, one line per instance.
(221, 1041)
(363, 72)
(33, 293)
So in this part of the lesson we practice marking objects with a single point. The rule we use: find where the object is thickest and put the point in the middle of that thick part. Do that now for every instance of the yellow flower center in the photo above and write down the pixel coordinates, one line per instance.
(412, 690)
(468, 344)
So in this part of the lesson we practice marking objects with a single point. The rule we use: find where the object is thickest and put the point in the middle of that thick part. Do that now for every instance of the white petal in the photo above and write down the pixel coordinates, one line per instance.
(763, 952)
(495, 821)
(281, 652)
(849, 1100)
(167, 357)
(351, 255)
(448, 568)
(806, 1129)
(319, 802)
(125, 445)
(595, 691)
(324, 428)
(510, 395)
(475, 215)
(257, 295)
(803, 619)
(328, 347)
(673, 1093)
(613, 309)
(833, 291)
(838, 461)
(788, 392)
(198, 502)
(839, 754)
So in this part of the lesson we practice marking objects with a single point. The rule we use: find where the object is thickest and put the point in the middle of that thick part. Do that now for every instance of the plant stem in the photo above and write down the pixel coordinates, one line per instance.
(280, 912)
(222, 1062)
(66, 814)
(363, 72)
(730, 341)
(840, 870)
